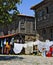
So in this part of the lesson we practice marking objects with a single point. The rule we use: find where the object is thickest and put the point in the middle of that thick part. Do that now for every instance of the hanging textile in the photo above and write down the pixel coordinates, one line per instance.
(4, 41)
(17, 48)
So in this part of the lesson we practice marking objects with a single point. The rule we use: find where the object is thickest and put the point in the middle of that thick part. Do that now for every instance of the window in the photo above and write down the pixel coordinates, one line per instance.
(51, 32)
(44, 17)
(22, 28)
(33, 25)
(22, 24)
(41, 14)
(43, 31)
(47, 10)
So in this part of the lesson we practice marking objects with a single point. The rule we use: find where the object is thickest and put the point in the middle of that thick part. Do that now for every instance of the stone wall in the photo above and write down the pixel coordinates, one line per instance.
(44, 20)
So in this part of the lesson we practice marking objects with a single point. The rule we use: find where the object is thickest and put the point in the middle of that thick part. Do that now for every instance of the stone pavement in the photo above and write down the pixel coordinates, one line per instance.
(25, 60)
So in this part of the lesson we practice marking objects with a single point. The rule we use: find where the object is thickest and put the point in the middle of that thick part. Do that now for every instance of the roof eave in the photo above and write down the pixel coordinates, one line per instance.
(36, 6)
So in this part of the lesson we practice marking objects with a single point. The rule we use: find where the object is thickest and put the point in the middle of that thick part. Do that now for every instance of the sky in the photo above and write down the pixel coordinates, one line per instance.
(25, 6)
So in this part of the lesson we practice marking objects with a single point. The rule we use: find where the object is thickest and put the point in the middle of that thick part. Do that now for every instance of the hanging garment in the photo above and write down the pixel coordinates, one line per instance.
(4, 41)
(17, 48)
(25, 45)
(12, 42)
(7, 45)
(1, 44)
(29, 47)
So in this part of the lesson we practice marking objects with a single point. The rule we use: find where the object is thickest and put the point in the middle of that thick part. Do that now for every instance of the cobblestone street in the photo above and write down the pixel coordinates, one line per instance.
(25, 60)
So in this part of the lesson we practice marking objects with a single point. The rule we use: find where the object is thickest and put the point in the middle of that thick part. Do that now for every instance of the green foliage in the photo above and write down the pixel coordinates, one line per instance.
(5, 7)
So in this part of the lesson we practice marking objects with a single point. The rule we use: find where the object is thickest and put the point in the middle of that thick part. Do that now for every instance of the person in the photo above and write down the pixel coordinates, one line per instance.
(12, 46)
(44, 52)
(51, 49)
(7, 48)
(35, 50)
(48, 54)
(0, 46)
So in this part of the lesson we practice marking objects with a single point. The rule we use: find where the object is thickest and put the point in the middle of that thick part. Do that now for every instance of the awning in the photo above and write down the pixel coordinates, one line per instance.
(9, 35)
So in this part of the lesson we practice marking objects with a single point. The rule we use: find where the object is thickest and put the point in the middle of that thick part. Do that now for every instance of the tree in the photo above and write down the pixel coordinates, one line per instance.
(5, 7)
